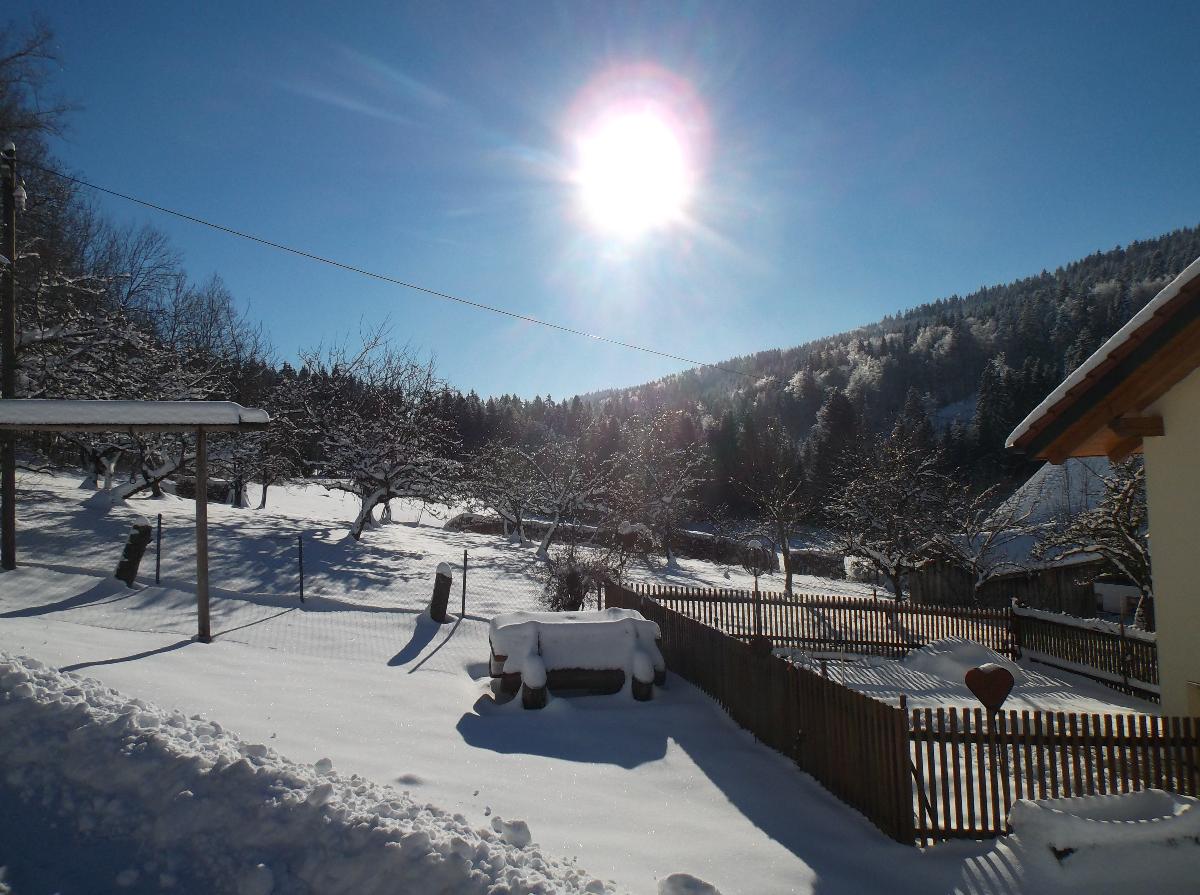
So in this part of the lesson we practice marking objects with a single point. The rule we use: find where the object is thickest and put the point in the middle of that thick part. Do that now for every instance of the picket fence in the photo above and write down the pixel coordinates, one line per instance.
(919, 776)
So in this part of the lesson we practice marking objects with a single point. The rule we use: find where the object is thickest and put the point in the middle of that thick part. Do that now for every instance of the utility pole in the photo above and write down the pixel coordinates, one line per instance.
(8, 362)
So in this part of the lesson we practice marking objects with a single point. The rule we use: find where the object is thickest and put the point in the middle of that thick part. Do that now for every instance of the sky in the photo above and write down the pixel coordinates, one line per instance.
(822, 164)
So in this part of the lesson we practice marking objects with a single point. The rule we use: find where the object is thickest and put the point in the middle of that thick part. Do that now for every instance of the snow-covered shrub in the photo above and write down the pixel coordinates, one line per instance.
(859, 569)
(572, 577)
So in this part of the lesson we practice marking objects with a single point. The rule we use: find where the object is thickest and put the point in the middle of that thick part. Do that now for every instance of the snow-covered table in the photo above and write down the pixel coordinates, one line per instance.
(597, 651)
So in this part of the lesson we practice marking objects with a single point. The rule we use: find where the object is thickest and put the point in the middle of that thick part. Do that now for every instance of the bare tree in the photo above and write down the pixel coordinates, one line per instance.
(661, 480)
(1115, 529)
(775, 484)
(893, 499)
(979, 533)
(380, 435)
(505, 480)
(568, 481)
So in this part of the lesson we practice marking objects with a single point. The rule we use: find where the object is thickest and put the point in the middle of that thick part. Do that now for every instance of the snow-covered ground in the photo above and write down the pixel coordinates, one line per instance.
(624, 791)
(932, 677)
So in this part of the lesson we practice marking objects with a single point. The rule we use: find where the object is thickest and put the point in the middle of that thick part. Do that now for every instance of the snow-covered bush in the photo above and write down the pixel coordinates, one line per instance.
(572, 577)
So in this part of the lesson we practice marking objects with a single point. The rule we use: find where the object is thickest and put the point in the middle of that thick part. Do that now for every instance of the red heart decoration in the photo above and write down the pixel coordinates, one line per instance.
(991, 685)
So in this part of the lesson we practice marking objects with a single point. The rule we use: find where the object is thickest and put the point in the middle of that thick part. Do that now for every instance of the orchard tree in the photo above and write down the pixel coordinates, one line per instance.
(379, 434)
(661, 481)
(893, 499)
(773, 480)
(504, 479)
(568, 481)
(1114, 529)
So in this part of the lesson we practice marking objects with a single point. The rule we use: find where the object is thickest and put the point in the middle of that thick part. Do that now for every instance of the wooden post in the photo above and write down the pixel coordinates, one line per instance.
(158, 553)
(203, 630)
(463, 614)
(8, 364)
(300, 555)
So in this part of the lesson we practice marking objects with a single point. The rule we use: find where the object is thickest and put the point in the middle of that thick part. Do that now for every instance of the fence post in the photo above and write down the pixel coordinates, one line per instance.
(158, 552)
(1014, 628)
(300, 559)
(463, 614)
(1124, 654)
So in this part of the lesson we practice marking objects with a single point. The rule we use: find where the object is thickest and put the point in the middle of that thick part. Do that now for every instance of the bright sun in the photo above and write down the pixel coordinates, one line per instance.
(633, 174)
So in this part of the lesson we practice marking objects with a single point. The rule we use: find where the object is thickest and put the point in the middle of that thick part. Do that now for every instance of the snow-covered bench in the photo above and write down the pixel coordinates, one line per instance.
(536, 651)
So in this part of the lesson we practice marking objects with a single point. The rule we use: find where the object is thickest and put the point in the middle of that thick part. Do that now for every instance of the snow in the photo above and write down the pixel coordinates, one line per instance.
(932, 677)
(1118, 339)
(1054, 493)
(445, 570)
(15, 413)
(1094, 845)
(1104, 821)
(357, 688)
(633, 791)
(952, 657)
(1088, 624)
(223, 809)
(610, 638)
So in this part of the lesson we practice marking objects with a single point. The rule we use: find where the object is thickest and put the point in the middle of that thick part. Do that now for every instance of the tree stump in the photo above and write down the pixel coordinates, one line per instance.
(131, 557)
(441, 593)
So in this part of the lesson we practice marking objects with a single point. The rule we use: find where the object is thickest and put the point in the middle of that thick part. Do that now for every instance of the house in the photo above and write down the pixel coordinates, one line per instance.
(1141, 392)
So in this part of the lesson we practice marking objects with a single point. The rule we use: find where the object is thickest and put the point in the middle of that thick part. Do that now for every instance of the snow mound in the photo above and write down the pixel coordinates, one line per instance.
(1103, 821)
(952, 657)
(685, 884)
(239, 817)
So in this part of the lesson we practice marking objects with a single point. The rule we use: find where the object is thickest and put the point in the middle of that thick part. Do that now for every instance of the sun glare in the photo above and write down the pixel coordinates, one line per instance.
(636, 134)
(632, 173)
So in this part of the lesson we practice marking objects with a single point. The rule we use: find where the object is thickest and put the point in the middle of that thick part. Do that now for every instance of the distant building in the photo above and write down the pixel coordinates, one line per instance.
(1141, 392)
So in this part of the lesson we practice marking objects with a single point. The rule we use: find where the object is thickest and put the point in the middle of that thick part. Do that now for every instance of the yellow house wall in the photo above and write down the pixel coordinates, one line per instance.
(1173, 502)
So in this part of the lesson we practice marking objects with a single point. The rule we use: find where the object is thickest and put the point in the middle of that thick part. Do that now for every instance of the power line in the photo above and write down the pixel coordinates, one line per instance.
(446, 296)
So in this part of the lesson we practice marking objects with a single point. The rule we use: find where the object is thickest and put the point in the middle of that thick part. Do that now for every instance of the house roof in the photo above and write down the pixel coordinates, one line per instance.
(45, 414)
(1095, 411)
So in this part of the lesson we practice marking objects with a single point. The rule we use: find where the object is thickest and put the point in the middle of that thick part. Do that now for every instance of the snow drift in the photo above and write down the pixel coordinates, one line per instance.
(238, 816)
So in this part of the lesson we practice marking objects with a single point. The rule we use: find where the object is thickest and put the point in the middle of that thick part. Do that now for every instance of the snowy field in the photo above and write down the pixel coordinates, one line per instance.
(616, 795)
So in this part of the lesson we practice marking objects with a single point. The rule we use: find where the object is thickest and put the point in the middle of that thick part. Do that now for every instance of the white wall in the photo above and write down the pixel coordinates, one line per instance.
(1173, 497)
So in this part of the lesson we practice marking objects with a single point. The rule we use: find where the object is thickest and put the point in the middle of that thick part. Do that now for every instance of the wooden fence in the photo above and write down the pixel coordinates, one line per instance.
(856, 746)
(969, 769)
(836, 624)
(1055, 588)
(884, 627)
(924, 776)
(1122, 660)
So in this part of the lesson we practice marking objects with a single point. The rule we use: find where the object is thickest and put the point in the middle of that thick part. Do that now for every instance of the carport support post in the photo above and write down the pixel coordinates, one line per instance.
(203, 631)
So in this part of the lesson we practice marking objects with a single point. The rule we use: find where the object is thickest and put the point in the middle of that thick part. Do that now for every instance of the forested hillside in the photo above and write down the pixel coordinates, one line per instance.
(974, 365)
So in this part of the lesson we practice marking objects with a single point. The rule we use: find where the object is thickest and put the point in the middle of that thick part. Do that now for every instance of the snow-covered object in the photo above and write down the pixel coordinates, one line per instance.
(123, 414)
(685, 884)
(1059, 492)
(635, 528)
(952, 657)
(236, 816)
(446, 570)
(609, 639)
(1087, 624)
(1123, 335)
(859, 569)
(1103, 821)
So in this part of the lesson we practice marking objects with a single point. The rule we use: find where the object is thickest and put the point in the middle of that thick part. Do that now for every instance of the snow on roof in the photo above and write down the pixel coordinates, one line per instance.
(1054, 492)
(1122, 336)
(38, 413)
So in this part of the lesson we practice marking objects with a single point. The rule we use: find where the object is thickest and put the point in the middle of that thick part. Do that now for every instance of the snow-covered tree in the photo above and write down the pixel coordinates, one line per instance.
(977, 533)
(1115, 529)
(774, 482)
(568, 480)
(379, 435)
(505, 479)
(893, 500)
(661, 479)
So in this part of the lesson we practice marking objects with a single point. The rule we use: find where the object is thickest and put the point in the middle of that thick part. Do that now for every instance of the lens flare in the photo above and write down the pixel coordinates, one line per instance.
(638, 137)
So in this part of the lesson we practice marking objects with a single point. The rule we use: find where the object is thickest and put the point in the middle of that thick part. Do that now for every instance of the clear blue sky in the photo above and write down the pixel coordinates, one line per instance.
(859, 159)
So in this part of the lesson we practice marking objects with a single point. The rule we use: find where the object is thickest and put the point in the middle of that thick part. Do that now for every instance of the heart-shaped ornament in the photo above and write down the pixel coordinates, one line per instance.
(991, 684)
